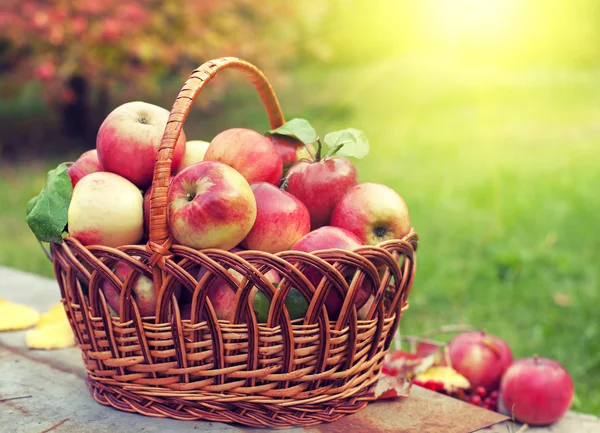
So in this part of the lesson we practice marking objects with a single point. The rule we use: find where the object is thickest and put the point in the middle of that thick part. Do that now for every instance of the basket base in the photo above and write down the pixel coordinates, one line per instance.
(240, 412)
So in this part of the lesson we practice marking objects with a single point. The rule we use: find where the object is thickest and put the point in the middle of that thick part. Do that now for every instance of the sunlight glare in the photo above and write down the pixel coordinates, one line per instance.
(471, 17)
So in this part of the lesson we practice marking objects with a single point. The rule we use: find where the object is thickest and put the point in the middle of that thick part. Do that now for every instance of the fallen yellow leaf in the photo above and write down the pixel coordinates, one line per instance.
(52, 332)
(446, 375)
(14, 317)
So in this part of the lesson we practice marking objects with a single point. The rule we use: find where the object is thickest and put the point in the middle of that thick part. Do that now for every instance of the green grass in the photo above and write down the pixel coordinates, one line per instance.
(501, 172)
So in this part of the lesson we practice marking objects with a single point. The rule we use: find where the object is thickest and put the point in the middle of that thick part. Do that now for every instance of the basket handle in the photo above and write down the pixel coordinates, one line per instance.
(160, 241)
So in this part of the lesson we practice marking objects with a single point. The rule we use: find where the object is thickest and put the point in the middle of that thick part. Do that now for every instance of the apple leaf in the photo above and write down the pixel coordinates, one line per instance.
(31, 203)
(347, 142)
(47, 213)
(297, 128)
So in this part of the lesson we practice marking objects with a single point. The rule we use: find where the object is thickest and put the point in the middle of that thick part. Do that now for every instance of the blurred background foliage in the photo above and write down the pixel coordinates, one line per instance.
(483, 114)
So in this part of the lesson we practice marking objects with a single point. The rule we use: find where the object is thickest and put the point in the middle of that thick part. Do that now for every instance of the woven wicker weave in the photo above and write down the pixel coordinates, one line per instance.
(275, 374)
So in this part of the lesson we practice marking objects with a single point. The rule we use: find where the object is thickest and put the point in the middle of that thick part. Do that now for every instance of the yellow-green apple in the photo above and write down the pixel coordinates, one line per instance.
(249, 152)
(281, 219)
(290, 149)
(481, 358)
(538, 391)
(210, 205)
(142, 291)
(320, 185)
(106, 209)
(194, 153)
(129, 138)
(329, 237)
(147, 196)
(87, 163)
(295, 303)
(373, 212)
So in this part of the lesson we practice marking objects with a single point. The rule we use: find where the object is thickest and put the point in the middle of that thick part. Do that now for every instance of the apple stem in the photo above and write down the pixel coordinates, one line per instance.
(319, 149)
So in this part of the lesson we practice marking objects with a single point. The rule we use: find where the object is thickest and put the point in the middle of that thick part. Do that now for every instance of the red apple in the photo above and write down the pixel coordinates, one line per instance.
(106, 209)
(147, 196)
(537, 390)
(87, 163)
(129, 138)
(210, 205)
(194, 153)
(248, 152)
(142, 290)
(480, 357)
(320, 185)
(222, 296)
(327, 238)
(373, 212)
(281, 219)
(290, 149)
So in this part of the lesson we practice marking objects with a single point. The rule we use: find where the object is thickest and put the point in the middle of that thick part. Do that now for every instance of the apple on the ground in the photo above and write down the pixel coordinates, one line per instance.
(281, 219)
(129, 139)
(373, 212)
(87, 163)
(210, 205)
(249, 152)
(106, 209)
(538, 391)
(194, 153)
(329, 237)
(290, 149)
(320, 185)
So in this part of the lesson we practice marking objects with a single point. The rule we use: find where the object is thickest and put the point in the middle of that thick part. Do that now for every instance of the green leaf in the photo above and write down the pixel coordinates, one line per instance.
(31, 204)
(347, 142)
(298, 128)
(47, 213)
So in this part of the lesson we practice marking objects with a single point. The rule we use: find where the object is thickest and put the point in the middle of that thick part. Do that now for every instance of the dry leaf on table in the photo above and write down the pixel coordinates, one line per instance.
(52, 332)
(449, 377)
(14, 317)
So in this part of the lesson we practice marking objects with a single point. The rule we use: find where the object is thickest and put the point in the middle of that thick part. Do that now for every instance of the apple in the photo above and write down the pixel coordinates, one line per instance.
(373, 212)
(194, 152)
(362, 313)
(320, 185)
(248, 152)
(129, 139)
(210, 205)
(222, 296)
(537, 390)
(106, 209)
(295, 303)
(290, 149)
(281, 219)
(481, 358)
(87, 163)
(147, 196)
(327, 238)
(142, 290)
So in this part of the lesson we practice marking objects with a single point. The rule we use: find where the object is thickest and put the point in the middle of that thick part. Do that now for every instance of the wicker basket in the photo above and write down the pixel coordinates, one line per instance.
(276, 374)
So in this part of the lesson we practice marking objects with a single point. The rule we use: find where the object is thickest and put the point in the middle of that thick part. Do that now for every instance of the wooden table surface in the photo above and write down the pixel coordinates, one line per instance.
(44, 391)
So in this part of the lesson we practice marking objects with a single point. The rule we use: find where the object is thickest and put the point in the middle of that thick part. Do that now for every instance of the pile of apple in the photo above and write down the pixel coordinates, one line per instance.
(535, 390)
(244, 190)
